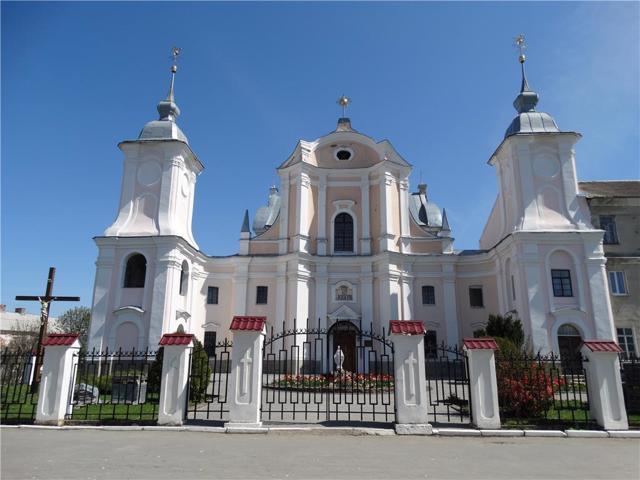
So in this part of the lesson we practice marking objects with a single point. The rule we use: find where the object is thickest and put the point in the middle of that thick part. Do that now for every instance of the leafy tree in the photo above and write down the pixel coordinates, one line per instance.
(506, 326)
(76, 320)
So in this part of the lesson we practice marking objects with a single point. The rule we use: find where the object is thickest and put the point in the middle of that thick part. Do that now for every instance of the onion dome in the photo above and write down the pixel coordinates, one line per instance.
(165, 128)
(528, 119)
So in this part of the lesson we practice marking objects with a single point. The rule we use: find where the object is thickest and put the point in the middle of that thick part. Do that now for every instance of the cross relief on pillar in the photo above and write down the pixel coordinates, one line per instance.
(245, 373)
(410, 372)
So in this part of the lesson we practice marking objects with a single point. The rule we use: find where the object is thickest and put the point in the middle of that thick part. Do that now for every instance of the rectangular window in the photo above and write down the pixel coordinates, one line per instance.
(608, 224)
(625, 340)
(262, 294)
(513, 288)
(210, 342)
(212, 296)
(475, 297)
(431, 344)
(617, 284)
(561, 280)
(428, 295)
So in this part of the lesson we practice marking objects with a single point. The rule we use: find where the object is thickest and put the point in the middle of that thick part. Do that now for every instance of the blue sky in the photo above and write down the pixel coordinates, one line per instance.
(436, 79)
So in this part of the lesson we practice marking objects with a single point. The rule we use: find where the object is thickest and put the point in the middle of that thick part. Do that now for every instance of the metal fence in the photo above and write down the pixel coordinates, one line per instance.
(115, 387)
(542, 391)
(18, 394)
(630, 374)
(208, 384)
(302, 382)
(448, 390)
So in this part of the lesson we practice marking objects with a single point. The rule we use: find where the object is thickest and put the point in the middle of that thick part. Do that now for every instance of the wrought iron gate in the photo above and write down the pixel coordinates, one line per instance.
(447, 372)
(301, 383)
(208, 385)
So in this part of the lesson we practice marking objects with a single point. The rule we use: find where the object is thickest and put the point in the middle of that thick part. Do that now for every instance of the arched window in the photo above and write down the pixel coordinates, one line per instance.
(343, 233)
(135, 271)
(184, 278)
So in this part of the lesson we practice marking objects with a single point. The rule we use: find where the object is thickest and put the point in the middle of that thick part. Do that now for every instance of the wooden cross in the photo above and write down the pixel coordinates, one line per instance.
(45, 304)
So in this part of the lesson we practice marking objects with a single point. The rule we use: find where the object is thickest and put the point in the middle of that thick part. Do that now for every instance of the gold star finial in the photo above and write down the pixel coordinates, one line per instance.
(520, 44)
(344, 102)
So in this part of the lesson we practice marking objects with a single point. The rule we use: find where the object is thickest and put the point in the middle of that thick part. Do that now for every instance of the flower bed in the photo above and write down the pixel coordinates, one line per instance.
(335, 381)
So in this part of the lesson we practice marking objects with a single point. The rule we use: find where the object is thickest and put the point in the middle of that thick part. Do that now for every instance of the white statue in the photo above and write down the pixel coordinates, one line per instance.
(338, 357)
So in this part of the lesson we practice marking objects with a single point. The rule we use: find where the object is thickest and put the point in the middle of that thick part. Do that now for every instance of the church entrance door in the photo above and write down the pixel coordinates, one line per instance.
(344, 335)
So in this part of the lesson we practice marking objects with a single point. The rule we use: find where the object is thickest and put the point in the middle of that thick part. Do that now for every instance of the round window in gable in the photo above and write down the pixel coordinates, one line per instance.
(342, 154)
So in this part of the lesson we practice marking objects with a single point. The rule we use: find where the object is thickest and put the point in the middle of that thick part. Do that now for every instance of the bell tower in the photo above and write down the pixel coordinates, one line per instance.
(159, 178)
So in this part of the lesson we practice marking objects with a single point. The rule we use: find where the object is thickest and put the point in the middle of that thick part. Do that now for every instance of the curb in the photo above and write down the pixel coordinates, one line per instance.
(351, 431)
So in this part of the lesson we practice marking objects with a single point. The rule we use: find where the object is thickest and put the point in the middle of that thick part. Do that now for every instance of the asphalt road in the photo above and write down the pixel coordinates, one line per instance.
(88, 454)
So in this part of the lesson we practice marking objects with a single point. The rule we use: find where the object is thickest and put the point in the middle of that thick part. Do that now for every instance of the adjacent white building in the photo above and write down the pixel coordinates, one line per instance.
(345, 239)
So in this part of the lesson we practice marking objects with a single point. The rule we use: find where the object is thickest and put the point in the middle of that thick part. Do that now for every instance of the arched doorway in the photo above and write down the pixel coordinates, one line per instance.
(344, 334)
(569, 343)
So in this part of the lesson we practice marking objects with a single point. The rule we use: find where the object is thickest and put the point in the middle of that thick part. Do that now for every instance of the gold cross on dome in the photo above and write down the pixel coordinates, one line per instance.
(344, 102)
(520, 44)
(175, 53)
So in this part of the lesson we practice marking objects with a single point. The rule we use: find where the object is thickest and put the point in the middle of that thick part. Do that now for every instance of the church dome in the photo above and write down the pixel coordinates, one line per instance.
(424, 212)
(528, 119)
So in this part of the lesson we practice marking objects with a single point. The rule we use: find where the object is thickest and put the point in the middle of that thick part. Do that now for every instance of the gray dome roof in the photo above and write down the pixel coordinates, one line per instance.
(162, 130)
(528, 120)
(532, 122)
(266, 216)
(424, 212)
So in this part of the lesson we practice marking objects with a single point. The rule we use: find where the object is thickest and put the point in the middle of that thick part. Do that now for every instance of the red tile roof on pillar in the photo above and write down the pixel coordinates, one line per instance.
(486, 343)
(60, 339)
(602, 346)
(248, 323)
(407, 327)
(176, 339)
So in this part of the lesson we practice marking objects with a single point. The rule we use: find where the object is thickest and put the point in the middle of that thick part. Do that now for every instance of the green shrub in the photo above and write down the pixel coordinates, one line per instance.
(200, 373)
(506, 326)
(155, 373)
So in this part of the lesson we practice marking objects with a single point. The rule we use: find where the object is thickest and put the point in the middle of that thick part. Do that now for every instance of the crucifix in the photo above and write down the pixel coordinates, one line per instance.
(45, 304)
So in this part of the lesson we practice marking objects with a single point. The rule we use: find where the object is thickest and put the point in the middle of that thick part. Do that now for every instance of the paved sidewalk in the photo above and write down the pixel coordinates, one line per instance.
(106, 454)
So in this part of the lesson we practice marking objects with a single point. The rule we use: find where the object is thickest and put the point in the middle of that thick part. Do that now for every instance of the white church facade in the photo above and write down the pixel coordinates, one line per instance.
(345, 240)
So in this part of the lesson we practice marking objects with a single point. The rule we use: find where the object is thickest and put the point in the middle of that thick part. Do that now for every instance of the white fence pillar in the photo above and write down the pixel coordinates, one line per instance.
(606, 400)
(409, 377)
(174, 377)
(485, 410)
(245, 382)
(56, 382)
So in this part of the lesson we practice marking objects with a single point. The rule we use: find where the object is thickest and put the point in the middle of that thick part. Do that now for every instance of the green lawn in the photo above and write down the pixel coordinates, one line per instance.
(18, 403)
(573, 415)
(117, 411)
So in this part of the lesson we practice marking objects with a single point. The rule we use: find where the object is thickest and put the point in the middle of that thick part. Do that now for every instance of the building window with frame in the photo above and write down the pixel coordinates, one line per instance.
(625, 340)
(135, 271)
(343, 233)
(608, 224)
(428, 295)
(212, 295)
(561, 282)
(262, 295)
(617, 283)
(344, 294)
(476, 299)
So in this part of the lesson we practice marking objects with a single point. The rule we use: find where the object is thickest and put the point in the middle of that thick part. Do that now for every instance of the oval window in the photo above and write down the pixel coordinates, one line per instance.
(343, 154)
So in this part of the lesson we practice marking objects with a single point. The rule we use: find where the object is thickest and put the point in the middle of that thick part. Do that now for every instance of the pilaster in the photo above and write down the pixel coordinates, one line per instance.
(450, 304)
(365, 241)
(101, 297)
(322, 216)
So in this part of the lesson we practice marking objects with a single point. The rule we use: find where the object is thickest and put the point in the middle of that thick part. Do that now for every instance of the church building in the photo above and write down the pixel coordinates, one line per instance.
(345, 240)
